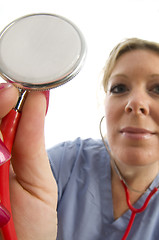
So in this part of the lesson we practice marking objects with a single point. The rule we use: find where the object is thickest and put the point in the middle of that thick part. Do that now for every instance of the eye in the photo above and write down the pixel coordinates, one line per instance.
(119, 88)
(155, 89)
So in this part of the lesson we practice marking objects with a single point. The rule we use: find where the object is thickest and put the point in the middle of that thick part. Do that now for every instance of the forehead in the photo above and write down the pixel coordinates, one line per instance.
(137, 60)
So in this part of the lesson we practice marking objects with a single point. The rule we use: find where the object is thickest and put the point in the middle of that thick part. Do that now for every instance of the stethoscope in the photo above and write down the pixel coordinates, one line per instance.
(134, 211)
(37, 52)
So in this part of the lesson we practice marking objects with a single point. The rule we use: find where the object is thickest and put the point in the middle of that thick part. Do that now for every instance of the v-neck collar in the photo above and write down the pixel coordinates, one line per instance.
(107, 201)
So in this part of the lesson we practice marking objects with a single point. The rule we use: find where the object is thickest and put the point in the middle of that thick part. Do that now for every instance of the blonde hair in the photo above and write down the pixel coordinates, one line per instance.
(123, 47)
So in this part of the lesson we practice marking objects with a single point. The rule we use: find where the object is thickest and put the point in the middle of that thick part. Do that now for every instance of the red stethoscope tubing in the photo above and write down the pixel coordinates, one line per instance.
(135, 210)
(8, 128)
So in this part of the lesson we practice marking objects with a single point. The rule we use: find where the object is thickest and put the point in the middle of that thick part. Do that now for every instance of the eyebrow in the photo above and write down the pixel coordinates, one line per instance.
(125, 76)
(154, 75)
(119, 75)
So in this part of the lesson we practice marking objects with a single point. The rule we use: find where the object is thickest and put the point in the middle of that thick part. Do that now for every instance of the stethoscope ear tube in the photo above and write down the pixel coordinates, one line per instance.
(8, 128)
(135, 210)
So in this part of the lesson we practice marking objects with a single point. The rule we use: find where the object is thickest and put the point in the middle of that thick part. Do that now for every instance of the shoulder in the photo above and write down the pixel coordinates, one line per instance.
(66, 155)
(71, 149)
(78, 159)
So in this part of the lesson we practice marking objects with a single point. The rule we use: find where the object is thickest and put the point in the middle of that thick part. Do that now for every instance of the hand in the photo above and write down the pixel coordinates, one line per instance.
(32, 186)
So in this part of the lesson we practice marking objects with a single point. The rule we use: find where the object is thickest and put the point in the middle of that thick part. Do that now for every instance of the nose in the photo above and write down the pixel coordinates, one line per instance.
(137, 104)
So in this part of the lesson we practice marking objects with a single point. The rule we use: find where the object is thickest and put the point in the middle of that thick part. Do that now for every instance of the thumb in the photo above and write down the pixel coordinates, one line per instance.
(29, 146)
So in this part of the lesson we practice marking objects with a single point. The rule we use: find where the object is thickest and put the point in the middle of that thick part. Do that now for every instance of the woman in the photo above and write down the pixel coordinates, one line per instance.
(92, 178)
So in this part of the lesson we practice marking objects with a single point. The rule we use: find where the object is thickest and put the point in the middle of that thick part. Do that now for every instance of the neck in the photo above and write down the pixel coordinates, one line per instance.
(137, 178)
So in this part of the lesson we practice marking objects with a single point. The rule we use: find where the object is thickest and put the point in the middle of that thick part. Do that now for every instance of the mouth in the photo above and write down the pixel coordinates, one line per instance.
(136, 133)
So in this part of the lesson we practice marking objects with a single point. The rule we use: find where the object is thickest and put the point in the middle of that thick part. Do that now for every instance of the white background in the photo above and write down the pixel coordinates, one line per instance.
(76, 108)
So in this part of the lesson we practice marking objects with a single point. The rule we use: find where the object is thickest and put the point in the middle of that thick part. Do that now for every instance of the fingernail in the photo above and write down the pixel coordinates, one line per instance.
(47, 95)
(4, 153)
(5, 85)
(4, 215)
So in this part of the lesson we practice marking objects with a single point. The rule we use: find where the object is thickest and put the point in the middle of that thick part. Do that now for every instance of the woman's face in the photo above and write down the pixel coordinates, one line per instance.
(132, 108)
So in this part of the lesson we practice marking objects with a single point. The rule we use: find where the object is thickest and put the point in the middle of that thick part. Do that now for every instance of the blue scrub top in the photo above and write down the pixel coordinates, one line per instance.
(85, 210)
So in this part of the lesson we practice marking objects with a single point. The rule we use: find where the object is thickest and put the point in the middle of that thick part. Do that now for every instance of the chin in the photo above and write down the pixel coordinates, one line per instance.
(135, 157)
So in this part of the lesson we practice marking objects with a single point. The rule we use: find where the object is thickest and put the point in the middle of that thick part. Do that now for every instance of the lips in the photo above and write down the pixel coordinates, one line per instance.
(136, 133)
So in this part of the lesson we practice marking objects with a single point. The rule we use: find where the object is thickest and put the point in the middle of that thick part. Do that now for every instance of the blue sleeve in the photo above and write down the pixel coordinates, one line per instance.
(62, 158)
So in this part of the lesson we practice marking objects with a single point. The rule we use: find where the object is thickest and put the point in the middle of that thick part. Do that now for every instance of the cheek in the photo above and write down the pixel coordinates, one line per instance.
(155, 114)
(112, 113)
(108, 107)
(111, 119)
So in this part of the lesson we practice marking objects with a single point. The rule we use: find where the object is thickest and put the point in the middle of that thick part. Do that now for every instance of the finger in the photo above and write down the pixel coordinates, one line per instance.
(8, 98)
(47, 96)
